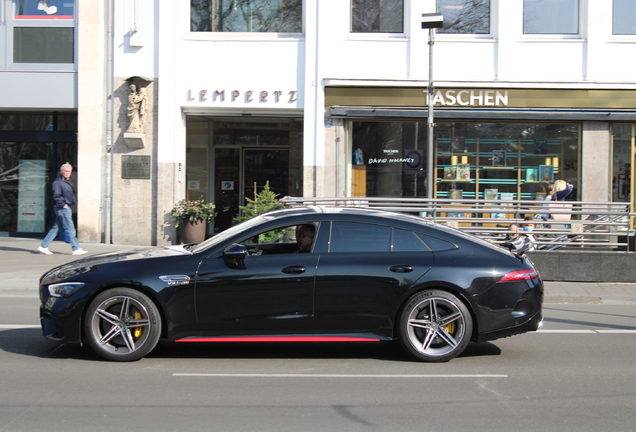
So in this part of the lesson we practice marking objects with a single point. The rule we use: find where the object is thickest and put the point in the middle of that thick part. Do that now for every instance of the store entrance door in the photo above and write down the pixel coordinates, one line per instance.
(228, 160)
(261, 166)
(241, 173)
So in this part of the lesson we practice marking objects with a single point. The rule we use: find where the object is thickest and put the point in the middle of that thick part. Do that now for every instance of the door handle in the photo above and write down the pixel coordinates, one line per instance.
(294, 269)
(401, 268)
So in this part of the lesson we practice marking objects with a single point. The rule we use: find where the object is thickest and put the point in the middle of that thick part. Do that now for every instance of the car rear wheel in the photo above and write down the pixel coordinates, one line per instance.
(435, 326)
(122, 324)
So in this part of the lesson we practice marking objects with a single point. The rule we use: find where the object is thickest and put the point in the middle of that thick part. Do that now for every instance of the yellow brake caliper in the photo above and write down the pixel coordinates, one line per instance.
(450, 328)
(138, 330)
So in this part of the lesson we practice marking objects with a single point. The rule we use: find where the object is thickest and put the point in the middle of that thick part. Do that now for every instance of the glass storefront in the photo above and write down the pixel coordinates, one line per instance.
(32, 148)
(474, 160)
(623, 136)
(229, 160)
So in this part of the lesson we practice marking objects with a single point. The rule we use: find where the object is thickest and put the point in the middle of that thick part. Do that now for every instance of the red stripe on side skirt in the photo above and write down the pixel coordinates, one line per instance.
(281, 339)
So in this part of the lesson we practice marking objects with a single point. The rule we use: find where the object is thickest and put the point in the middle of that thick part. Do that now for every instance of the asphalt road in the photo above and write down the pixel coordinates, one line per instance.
(576, 374)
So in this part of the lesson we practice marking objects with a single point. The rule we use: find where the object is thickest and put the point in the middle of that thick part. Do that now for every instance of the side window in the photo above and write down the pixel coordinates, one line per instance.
(283, 240)
(359, 237)
(407, 241)
(436, 244)
(377, 16)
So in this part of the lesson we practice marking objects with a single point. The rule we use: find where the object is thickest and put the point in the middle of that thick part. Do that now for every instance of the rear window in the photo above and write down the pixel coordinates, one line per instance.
(407, 241)
(436, 244)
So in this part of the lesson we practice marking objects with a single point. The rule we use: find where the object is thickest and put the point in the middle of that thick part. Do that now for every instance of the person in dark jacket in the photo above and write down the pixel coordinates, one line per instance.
(63, 199)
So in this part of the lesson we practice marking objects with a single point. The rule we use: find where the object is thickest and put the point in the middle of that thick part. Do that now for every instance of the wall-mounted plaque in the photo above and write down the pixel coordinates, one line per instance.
(135, 167)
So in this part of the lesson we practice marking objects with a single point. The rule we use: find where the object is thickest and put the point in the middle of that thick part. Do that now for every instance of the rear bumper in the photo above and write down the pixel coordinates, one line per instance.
(531, 324)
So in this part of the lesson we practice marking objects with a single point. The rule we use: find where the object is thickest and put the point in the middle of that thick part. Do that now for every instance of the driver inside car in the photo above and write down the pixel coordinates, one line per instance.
(305, 237)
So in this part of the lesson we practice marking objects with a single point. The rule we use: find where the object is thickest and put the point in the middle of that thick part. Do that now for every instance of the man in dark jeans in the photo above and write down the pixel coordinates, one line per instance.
(63, 199)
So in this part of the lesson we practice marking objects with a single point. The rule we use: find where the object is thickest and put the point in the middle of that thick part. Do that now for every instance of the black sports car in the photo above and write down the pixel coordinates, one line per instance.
(302, 274)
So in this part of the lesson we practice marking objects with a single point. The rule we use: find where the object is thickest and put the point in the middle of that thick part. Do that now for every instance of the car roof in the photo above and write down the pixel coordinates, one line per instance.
(353, 211)
(378, 216)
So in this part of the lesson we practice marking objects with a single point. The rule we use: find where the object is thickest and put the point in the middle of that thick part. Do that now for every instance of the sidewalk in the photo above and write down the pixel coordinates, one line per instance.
(21, 266)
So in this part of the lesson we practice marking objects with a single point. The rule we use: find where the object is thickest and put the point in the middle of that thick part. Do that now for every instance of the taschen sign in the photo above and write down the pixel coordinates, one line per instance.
(473, 98)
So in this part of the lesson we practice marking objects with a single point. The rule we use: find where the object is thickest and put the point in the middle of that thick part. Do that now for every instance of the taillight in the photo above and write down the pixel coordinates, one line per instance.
(520, 275)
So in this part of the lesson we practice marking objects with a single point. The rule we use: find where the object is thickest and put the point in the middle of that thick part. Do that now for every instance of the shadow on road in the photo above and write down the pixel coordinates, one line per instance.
(30, 342)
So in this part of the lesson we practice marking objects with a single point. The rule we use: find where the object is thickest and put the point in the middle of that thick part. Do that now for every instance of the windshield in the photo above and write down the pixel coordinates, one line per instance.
(222, 236)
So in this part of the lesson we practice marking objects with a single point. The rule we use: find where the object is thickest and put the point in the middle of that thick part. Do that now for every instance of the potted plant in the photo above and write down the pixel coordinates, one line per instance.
(191, 218)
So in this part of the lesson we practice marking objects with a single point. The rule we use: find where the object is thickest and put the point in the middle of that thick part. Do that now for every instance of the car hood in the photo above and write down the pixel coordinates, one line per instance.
(134, 254)
(84, 265)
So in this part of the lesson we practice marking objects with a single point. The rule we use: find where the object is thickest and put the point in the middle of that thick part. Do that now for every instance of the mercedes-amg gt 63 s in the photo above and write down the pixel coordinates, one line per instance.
(307, 274)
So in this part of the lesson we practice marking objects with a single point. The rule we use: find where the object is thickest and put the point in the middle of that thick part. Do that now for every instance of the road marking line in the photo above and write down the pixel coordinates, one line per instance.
(17, 326)
(217, 375)
(589, 331)
(565, 331)
(619, 331)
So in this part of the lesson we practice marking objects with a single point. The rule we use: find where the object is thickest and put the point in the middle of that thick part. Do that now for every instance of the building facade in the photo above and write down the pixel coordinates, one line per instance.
(212, 99)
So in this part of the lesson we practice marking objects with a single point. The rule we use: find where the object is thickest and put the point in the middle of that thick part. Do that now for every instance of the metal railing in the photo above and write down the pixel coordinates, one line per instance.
(606, 226)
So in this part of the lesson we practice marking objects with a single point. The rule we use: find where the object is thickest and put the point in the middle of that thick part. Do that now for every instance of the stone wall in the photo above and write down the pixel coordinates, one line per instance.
(574, 266)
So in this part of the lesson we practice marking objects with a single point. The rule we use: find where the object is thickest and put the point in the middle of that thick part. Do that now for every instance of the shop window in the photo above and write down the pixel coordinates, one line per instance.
(498, 161)
(623, 17)
(377, 16)
(31, 153)
(550, 17)
(622, 139)
(504, 161)
(465, 16)
(280, 16)
(387, 159)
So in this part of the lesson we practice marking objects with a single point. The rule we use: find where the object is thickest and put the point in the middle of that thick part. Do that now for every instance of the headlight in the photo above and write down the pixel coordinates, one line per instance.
(65, 289)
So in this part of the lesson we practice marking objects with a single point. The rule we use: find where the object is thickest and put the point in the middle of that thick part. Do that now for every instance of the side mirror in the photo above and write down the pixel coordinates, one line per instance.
(235, 251)
(234, 256)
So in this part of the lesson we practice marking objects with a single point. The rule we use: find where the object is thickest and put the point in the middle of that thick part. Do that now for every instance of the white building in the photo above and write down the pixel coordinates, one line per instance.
(324, 98)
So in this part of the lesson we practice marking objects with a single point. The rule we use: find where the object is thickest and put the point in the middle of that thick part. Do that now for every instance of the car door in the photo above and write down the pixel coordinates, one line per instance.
(360, 279)
(270, 292)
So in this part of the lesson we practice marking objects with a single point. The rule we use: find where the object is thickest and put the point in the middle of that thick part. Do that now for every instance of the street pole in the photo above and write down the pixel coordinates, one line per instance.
(431, 22)
(430, 165)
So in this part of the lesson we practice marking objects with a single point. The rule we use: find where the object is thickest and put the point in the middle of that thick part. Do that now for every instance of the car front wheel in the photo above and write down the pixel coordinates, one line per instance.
(435, 326)
(122, 324)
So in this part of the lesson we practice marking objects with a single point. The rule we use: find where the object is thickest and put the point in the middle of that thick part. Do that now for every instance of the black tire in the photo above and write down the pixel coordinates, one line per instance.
(435, 326)
(122, 324)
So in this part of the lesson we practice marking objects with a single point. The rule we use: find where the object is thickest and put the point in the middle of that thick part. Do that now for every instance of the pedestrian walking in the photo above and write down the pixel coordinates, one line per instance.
(63, 198)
